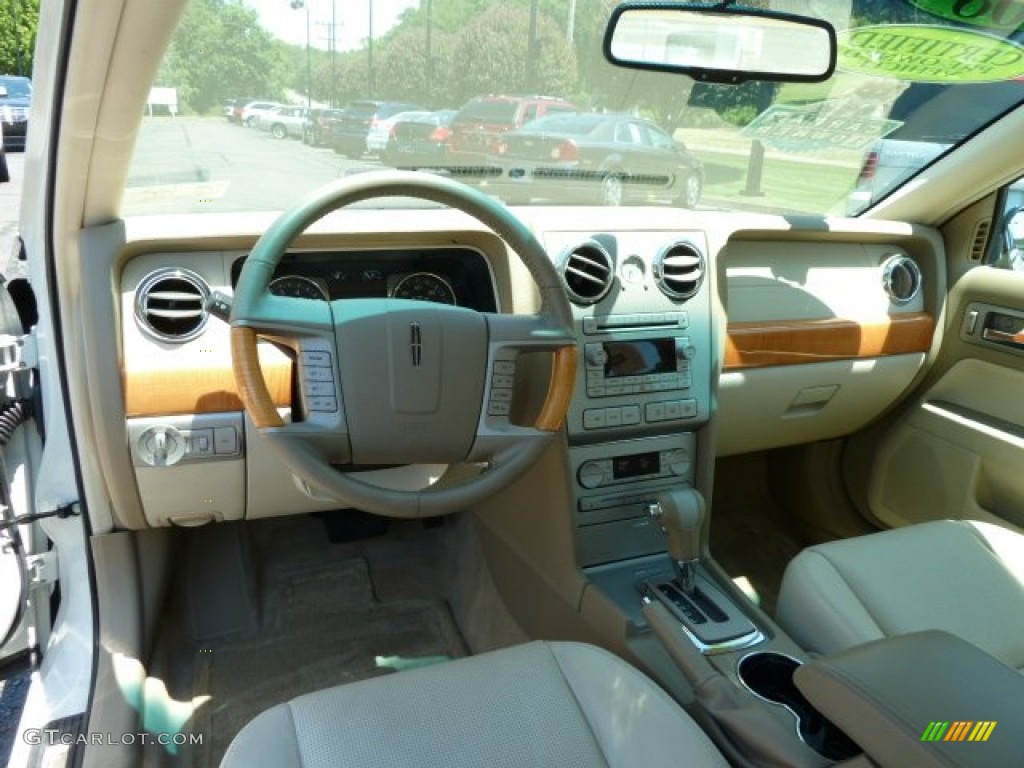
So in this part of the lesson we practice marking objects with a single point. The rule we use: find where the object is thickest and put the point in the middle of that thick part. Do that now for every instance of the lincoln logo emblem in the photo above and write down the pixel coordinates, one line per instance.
(416, 343)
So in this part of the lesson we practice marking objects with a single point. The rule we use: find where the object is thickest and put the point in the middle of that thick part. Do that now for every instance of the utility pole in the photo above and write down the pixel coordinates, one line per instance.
(369, 54)
(296, 5)
(531, 51)
(430, 54)
(334, 53)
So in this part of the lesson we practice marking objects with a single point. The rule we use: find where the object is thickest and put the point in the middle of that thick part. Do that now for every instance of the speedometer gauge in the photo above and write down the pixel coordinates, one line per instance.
(425, 286)
(297, 287)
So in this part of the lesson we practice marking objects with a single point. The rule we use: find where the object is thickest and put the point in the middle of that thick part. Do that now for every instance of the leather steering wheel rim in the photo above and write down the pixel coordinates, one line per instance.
(296, 450)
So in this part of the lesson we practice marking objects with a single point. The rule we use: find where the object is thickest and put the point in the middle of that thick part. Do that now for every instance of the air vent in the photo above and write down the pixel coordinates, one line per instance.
(587, 271)
(679, 270)
(980, 241)
(170, 305)
(901, 278)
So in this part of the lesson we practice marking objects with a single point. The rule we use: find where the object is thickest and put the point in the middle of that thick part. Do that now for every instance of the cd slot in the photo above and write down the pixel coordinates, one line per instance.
(634, 322)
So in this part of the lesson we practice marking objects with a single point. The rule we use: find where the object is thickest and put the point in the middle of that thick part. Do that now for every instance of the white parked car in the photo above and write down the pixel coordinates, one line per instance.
(252, 111)
(283, 122)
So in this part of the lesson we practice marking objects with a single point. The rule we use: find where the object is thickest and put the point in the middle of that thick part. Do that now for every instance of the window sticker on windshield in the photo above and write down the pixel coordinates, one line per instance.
(929, 54)
(1006, 15)
(816, 127)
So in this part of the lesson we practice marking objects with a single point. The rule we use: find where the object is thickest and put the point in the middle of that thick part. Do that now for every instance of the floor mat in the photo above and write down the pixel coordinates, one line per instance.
(321, 623)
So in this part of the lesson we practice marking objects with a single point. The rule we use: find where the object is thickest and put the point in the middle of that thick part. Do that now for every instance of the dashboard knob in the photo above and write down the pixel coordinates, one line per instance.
(591, 474)
(161, 446)
(596, 356)
(678, 461)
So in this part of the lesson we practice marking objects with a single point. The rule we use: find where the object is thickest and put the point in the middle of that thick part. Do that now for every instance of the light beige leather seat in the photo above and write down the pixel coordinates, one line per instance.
(542, 704)
(966, 578)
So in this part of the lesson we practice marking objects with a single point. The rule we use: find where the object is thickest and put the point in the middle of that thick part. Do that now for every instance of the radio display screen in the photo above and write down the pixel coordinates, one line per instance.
(637, 465)
(640, 357)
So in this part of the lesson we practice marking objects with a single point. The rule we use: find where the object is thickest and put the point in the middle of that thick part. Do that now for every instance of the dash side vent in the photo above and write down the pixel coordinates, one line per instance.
(980, 240)
(679, 270)
(588, 272)
(170, 305)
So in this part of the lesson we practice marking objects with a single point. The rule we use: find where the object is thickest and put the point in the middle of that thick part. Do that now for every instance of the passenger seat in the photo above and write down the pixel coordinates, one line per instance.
(964, 577)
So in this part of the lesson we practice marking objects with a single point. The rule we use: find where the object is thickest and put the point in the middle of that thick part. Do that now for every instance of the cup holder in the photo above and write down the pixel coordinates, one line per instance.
(769, 676)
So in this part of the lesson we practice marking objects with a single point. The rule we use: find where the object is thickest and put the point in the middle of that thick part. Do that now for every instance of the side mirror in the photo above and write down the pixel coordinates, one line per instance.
(720, 44)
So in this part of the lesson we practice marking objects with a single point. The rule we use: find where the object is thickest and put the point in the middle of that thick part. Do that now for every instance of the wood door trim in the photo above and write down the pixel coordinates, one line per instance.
(798, 342)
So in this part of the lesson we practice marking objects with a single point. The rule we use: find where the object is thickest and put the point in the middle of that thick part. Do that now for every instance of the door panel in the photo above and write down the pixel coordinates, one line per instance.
(958, 451)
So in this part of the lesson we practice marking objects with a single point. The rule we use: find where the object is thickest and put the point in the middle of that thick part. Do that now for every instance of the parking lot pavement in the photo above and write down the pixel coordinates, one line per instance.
(10, 205)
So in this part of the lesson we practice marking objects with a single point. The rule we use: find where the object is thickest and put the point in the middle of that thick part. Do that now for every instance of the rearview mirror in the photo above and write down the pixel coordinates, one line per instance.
(720, 44)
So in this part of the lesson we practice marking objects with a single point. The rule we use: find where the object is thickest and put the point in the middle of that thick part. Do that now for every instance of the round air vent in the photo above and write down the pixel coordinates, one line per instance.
(170, 304)
(901, 278)
(587, 272)
(679, 270)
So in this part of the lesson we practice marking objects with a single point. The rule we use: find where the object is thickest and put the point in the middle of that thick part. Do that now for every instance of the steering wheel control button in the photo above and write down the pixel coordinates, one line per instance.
(323, 404)
(499, 409)
(316, 358)
(316, 373)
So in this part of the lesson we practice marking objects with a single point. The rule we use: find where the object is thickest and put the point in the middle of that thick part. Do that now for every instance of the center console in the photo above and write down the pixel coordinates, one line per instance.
(639, 456)
(643, 390)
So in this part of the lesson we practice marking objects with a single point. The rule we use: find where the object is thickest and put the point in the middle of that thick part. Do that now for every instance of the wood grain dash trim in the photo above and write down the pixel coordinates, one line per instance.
(798, 342)
(201, 386)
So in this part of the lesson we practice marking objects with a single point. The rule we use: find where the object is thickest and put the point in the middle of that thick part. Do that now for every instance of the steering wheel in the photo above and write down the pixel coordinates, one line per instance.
(396, 381)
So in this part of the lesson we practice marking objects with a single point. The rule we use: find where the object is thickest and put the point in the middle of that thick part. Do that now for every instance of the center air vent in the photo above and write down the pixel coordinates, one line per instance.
(587, 271)
(170, 304)
(679, 270)
(901, 278)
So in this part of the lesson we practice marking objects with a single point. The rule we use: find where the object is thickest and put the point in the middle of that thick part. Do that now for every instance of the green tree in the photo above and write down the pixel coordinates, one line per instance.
(220, 51)
(492, 52)
(19, 20)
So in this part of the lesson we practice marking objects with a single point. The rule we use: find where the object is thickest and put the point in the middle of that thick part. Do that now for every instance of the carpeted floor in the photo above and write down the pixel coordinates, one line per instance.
(320, 620)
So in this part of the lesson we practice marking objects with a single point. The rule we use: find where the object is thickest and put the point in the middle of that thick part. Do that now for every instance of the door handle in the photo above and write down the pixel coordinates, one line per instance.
(1003, 337)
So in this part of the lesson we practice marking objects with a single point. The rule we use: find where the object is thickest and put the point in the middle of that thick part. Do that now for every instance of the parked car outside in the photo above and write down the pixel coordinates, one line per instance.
(15, 104)
(931, 118)
(316, 127)
(478, 127)
(421, 140)
(252, 111)
(348, 135)
(380, 131)
(611, 159)
(233, 108)
(283, 122)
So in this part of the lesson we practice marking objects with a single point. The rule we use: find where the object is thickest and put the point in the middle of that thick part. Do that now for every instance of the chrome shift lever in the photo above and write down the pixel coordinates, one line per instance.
(680, 514)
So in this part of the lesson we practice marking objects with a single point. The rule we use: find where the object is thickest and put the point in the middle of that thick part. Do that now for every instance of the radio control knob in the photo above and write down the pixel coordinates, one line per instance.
(591, 474)
(678, 461)
(596, 356)
(686, 352)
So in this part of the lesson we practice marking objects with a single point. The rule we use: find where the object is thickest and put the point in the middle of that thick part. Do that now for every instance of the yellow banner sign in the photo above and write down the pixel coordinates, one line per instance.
(928, 54)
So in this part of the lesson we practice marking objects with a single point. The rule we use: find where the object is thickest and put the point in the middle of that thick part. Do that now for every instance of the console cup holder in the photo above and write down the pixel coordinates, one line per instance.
(769, 676)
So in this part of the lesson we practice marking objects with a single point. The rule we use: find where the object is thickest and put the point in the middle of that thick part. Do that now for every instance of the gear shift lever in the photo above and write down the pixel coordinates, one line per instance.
(680, 513)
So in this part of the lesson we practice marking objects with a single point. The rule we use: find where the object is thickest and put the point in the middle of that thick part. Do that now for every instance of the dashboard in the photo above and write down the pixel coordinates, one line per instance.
(695, 340)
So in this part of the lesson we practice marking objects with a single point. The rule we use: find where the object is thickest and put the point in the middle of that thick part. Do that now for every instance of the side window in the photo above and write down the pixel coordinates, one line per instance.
(530, 113)
(660, 140)
(1007, 247)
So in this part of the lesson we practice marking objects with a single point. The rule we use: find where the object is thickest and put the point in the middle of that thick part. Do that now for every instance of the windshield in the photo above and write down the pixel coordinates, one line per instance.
(915, 78)
(17, 87)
